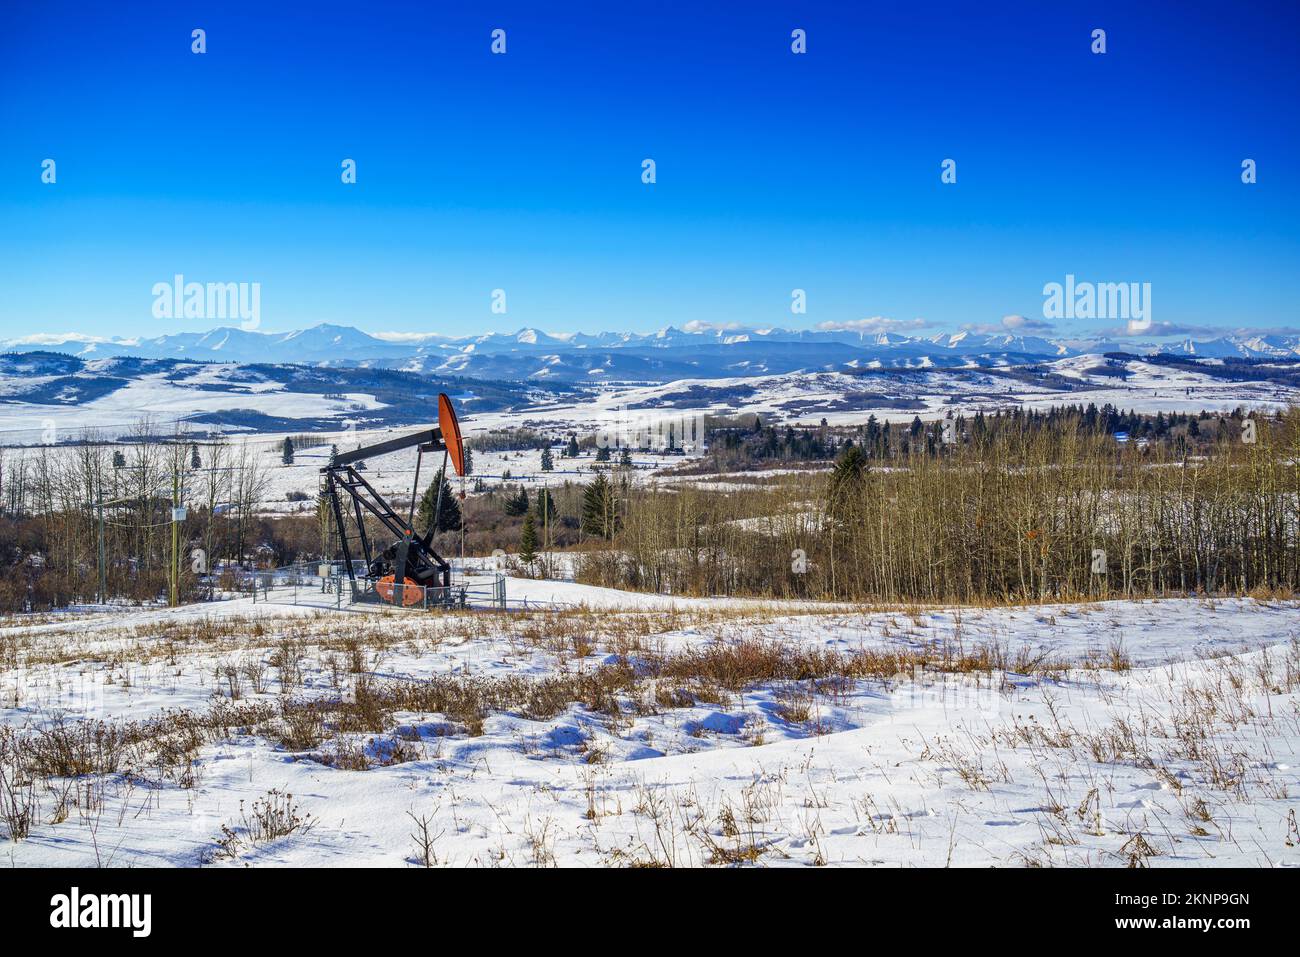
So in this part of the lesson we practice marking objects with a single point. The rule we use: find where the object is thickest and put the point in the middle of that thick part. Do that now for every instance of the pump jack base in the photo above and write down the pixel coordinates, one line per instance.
(412, 594)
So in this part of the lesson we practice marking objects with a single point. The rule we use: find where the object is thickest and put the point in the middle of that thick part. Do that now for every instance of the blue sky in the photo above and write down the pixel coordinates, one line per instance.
(523, 172)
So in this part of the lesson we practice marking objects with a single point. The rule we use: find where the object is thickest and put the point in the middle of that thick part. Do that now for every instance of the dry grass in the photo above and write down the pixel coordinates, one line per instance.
(273, 816)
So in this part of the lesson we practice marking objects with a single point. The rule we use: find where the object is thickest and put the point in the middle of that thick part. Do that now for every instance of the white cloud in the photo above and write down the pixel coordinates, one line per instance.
(55, 339)
(699, 325)
(1022, 324)
(1157, 329)
(407, 336)
(872, 324)
(1018, 325)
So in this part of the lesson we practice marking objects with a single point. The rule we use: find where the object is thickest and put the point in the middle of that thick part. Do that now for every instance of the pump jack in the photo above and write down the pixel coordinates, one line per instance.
(410, 559)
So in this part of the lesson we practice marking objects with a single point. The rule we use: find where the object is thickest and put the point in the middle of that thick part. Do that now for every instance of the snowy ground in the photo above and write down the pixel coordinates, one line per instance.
(163, 402)
(795, 397)
(844, 399)
(394, 475)
(1163, 732)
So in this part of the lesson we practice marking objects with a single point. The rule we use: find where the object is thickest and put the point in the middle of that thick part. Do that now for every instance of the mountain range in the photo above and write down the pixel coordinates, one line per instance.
(663, 356)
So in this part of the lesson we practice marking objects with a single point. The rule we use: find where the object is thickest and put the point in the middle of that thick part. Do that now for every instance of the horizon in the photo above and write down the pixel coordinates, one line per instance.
(398, 338)
(522, 173)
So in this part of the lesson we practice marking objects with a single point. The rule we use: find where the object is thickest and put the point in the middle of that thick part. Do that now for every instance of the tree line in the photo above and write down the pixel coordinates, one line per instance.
(1023, 512)
(58, 503)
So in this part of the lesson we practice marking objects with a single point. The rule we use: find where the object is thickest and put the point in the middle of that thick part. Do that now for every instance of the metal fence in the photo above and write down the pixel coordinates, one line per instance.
(329, 586)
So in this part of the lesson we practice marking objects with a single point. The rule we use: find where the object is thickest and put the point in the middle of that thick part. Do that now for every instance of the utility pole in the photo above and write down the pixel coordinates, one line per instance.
(175, 568)
(178, 516)
(103, 585)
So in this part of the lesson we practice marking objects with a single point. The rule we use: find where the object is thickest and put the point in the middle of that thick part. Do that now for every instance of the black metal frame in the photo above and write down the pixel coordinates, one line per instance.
(410, 552)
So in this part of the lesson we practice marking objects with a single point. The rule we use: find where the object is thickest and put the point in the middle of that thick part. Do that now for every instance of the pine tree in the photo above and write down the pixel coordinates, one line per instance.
(528, 541)
(469, 461)
(599, 509)
(625, 458)
(572, 450)
(602, 454)
(544, 506)
(849, 469)
(286, 452)
(548, 463)
(517, 504)
(195, 461)
(449, 517)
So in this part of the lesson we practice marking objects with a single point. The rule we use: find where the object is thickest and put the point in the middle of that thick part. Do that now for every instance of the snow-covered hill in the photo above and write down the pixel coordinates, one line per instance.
(44, 394)
(52, 397)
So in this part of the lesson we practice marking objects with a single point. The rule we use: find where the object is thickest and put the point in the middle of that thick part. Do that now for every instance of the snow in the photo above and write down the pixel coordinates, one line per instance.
(155, 397)
(920, 769)
(598, 403)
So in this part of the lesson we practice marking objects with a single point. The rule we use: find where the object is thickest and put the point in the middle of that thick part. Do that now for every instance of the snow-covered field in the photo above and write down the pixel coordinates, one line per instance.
(845, 399)
(656, 730)
(163, 402)
(794, 397)
(393, 475)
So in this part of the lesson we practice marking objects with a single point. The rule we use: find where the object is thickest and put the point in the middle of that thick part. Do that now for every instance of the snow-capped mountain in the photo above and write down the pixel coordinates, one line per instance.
(671, 353)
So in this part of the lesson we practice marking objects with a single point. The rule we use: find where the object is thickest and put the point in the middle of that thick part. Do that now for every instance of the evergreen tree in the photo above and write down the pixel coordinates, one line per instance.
(517, 504)
(195, 461)
(849, 470)
(599, 509)
(449, 517)
(286, 451)
(528, 541)
(548, 463)
(625, 458)
(572, 450)
(469, 461)
(544, 507)
(602, 454)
